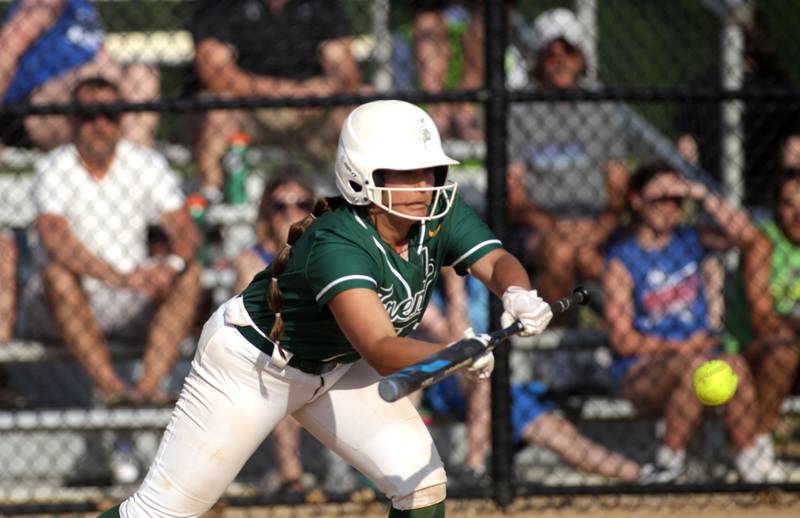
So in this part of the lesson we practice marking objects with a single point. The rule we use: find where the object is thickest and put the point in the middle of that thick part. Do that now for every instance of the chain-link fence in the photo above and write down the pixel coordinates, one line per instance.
(154, 154)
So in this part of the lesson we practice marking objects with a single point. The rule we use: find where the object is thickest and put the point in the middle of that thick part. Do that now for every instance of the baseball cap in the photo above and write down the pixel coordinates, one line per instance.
(556, 24)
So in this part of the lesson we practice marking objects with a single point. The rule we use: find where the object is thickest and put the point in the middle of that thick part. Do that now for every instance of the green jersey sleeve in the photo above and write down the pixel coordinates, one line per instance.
(335, 264)
(467, 237)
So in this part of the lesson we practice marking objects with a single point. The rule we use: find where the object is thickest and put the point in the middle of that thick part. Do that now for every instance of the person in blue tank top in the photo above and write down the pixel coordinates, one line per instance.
(50, 45)
(659, 300)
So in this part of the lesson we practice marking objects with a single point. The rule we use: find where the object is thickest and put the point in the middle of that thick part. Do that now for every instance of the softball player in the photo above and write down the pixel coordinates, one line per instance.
(314, 332)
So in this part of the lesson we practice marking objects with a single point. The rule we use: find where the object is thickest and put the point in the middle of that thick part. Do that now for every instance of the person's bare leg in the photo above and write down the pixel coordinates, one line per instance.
(665, 385)
(79, 328)
(432, 56)
(775, 369)
(140, 83)
(557, 434)
(170, 327)
(478, 424)
(740, 420)
(683, 411)
(287, 449)
(8, 287)
(212, 144)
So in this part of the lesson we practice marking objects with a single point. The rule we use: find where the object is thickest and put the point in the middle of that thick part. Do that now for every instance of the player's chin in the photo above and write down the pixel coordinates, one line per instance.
(412, 209)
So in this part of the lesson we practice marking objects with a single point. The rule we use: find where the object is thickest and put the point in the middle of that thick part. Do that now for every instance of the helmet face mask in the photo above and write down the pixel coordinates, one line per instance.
(442, 200)
(397, 136)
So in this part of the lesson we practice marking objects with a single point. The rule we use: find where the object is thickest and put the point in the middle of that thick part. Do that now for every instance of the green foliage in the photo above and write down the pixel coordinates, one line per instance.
(655, 44)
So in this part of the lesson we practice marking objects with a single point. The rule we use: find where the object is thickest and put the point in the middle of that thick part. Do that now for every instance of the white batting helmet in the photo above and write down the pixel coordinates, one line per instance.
(392, 135)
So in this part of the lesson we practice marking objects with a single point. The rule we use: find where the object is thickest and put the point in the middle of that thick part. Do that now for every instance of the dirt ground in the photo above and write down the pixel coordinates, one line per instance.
(767, 505)
(744, 505)
(706, 506)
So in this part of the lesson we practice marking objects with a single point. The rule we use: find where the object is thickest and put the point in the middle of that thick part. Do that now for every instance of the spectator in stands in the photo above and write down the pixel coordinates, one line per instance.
(437, 63)
(768, 127)
(287, 198)
(658, 313)
(566, 179)
(764, 312)
(48, 46)
(94, 198)
(271, 48)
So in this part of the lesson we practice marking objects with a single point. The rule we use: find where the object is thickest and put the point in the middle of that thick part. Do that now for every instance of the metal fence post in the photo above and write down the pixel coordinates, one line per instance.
(496, 109)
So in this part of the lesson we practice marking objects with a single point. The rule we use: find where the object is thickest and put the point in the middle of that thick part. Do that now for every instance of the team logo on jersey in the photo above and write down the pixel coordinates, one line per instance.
(405, 307)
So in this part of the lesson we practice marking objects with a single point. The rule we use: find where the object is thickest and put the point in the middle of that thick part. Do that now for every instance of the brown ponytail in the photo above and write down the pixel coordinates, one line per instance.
(274, 295)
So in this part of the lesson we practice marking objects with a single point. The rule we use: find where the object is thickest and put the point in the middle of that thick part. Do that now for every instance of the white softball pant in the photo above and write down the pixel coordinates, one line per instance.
(234, 396)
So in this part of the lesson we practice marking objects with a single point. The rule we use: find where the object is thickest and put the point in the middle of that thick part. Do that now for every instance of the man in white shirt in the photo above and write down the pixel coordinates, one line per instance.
(95, 198)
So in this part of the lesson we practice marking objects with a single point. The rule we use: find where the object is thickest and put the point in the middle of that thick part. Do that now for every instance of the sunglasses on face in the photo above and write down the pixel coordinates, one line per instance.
(566, 49)
(676, 200)
(91, 117)
(280, 207)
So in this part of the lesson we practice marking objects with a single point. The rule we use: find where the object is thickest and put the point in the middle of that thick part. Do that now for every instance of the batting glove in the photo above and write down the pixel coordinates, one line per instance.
(483, 365)
(527, 307)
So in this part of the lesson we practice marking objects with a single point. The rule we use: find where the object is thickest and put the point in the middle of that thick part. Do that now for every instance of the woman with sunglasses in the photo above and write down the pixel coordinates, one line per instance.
(314, 332)
(288, 197)
(661, 307)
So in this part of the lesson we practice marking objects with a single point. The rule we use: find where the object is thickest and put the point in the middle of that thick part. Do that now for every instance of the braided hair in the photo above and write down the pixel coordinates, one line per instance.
(274, 294)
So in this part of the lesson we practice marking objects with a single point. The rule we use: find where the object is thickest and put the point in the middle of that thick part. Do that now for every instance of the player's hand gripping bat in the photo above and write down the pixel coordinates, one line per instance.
(438, 366)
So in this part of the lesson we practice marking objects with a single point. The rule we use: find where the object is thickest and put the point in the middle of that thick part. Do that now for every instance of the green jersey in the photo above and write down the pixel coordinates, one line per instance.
(784, 286)
(342, 250)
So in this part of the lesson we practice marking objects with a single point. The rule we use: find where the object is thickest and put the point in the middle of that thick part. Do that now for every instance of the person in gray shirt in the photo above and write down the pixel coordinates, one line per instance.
(566, 180)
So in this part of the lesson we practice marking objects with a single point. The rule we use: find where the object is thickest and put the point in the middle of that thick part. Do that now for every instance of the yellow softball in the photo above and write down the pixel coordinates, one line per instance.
(714, 382)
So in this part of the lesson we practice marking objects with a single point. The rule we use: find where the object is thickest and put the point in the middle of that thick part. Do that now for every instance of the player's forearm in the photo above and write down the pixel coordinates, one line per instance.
(507, 272)
(394, 353)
